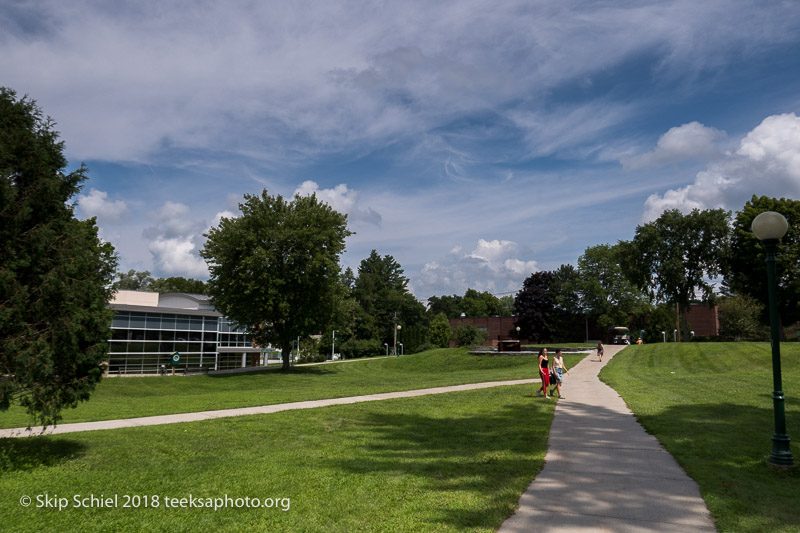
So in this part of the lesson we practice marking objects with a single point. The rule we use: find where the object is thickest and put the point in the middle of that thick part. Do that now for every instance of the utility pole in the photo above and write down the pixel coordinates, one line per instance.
(394, 327)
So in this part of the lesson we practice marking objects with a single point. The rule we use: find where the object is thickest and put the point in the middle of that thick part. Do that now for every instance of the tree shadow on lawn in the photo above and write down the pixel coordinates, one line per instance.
(486, 457)
(30, 453)
(317, 370)
(724, 447)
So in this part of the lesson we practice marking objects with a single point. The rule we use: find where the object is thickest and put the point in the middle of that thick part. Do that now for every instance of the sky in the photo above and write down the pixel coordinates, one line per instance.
(474, 141)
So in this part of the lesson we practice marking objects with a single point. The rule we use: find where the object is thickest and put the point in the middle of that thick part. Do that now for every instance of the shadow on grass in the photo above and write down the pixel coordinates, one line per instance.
(318, 370)
(24, 454)
(487, 457)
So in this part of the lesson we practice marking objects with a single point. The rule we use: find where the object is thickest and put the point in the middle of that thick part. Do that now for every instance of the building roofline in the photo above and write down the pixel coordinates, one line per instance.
(164, 310)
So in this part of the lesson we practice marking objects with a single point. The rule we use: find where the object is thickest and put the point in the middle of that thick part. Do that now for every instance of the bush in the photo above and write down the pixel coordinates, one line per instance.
(439, 332)
(469, 335)
(310, 357)
(425, 347)
(355, 348)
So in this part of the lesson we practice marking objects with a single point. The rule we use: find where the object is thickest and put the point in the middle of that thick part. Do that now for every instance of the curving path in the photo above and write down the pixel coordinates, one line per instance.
(603, 472)
(242, 411)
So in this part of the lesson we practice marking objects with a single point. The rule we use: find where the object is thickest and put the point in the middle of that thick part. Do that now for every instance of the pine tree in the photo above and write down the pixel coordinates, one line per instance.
(55, 273)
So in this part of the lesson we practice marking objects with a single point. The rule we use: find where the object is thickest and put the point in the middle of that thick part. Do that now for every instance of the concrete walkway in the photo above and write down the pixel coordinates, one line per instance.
(603, 472)
(265, 409)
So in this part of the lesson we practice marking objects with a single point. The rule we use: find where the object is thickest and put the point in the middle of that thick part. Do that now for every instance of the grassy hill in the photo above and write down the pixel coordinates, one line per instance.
(147, 396)
(710, 405)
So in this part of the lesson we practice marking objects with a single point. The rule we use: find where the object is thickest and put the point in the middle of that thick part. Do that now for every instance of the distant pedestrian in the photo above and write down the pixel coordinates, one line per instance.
(544, 372)
(558, 369)
(600, 350)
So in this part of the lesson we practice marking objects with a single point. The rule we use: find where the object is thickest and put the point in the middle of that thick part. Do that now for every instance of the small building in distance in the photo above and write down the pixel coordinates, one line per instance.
(148, 328)
(497, 327)
(700, 318)
(703, 320)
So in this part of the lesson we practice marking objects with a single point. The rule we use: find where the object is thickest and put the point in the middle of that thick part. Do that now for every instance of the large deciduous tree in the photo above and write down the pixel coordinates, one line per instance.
(747, 272)
(676, 255)
(609, 297)
(449, 305)
(54, 271)
(275, 269)
(133, 280)
(178, 284)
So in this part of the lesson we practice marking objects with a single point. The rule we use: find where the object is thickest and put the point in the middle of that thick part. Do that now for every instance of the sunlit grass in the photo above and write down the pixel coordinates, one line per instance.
(711, 406)
(452, 462)
(135, 397)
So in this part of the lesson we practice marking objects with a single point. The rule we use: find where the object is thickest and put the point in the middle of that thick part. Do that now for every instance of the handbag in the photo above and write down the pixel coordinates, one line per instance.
(553, 377)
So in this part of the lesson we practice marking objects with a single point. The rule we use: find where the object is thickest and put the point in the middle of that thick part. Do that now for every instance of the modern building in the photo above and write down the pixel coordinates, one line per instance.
(149, 328)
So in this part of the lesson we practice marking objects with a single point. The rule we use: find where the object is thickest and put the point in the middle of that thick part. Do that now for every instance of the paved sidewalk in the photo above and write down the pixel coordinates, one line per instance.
(603, 472)
(265, 409)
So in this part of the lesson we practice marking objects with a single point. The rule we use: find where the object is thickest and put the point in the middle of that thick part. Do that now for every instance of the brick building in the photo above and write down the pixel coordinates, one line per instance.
(703, 320)
(497, 327)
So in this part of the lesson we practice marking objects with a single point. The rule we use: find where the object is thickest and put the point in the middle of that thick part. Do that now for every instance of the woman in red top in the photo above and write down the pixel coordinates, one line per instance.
(544, 373)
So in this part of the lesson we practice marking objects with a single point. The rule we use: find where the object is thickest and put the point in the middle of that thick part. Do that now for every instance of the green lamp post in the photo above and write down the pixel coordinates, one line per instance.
(769, 227)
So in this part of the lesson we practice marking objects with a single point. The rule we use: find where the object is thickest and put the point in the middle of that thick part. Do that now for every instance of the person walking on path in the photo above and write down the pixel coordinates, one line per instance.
(558, 369)
(544, 372)
(600, 350)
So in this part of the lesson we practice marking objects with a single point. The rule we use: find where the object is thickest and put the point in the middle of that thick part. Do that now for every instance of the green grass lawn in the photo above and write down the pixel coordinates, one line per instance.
(711, 406)
(134, 397)
(450, 462)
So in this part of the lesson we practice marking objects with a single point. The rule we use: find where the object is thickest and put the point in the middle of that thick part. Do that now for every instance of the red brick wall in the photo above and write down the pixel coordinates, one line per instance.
(493, 325)
(703, 320)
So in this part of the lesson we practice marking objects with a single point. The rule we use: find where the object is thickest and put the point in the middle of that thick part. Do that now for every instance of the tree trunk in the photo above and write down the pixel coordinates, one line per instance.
(286, 352)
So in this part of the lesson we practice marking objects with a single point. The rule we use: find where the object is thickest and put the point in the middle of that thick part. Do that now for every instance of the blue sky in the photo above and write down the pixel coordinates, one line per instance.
(474, 141)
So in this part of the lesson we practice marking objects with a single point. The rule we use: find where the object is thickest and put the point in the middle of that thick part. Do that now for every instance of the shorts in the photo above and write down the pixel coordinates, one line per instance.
(559, 375)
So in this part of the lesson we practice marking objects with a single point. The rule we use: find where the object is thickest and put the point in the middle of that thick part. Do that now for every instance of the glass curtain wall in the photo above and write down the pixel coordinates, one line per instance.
(142, 342)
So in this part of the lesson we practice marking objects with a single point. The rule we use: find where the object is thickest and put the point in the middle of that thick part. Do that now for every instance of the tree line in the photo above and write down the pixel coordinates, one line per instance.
(648, 283)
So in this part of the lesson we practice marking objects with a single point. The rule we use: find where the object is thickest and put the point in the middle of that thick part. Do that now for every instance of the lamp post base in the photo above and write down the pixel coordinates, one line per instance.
(781, 454)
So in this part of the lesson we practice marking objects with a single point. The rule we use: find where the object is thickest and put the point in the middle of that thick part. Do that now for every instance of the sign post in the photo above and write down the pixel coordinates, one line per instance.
(175, 360)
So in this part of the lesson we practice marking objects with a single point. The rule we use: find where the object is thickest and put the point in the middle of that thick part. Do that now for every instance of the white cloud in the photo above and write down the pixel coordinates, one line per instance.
(97, 204)
(492, 266)
(689, 141)
(175, 240)
(177, 257)
(341, 199)
(222, 214)
(766, 163)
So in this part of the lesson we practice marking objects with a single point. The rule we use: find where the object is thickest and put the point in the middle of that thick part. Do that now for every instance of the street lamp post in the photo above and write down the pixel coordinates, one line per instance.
(401, 349)
(769, 227)
(664, 334)
(333, 344)
(675, 335)
(386, 344)
(396, 331)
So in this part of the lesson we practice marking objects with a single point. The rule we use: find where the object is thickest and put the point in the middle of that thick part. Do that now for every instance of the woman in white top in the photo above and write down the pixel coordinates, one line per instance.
(558, 369)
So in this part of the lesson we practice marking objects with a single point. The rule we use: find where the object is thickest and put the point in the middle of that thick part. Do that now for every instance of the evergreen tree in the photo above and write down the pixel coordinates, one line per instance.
(55, 273)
